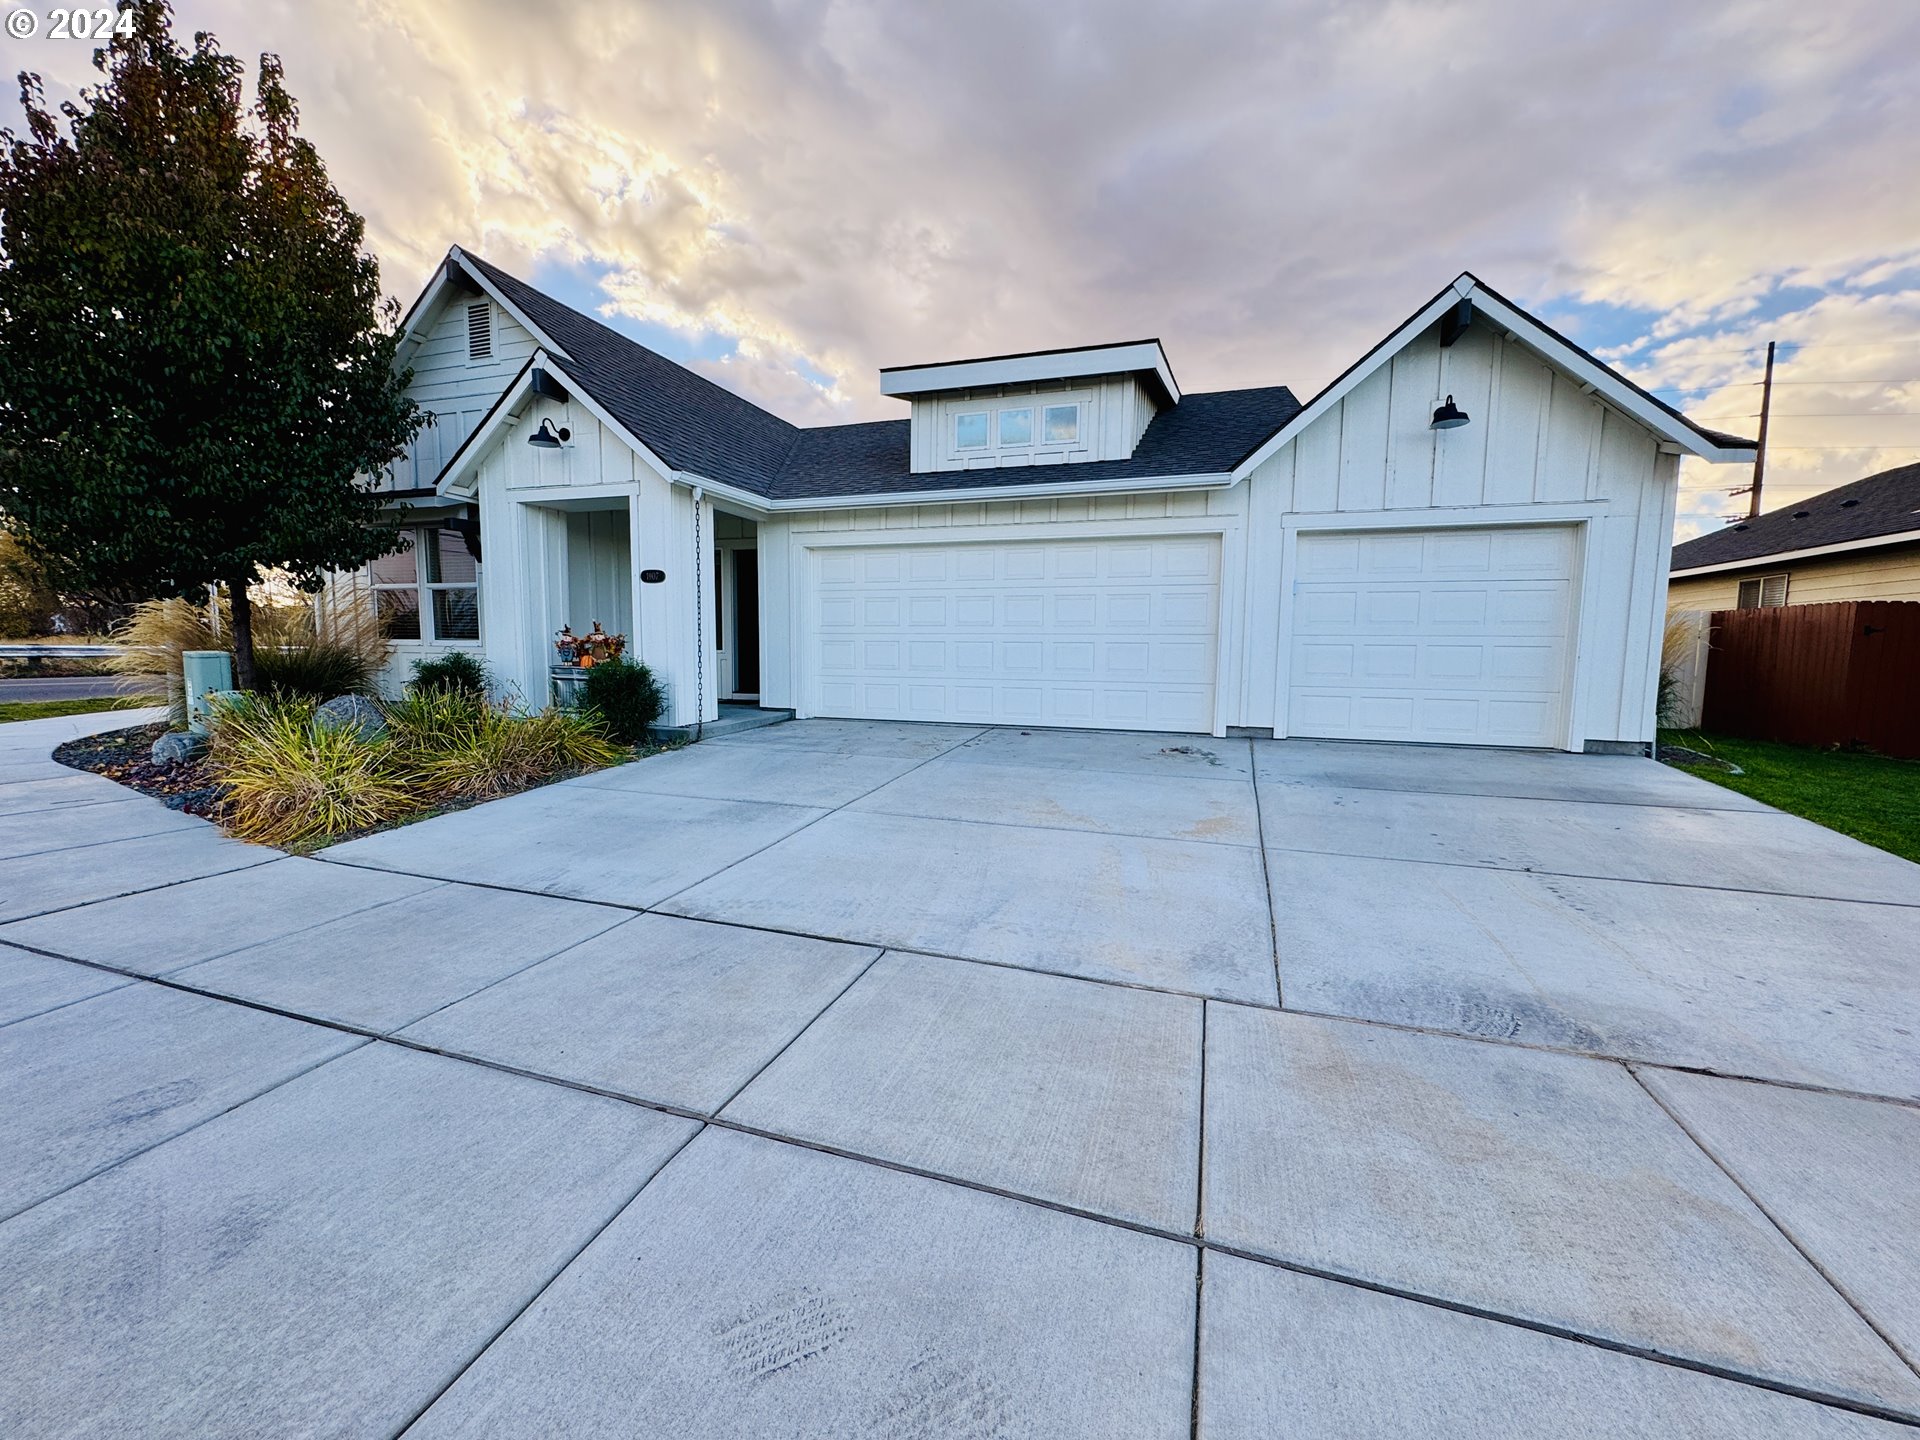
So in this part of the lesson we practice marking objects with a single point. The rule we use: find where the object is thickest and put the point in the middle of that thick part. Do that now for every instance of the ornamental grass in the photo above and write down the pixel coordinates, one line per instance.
(292, 783)
(461, 747)
(295, 784)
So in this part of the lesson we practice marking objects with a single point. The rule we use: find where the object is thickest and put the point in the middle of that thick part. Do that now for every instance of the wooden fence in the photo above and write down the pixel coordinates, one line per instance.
(1847, 673)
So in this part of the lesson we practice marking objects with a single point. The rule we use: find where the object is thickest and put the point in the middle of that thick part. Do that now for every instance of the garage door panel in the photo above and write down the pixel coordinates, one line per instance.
(1455, 636)
(1098, 633)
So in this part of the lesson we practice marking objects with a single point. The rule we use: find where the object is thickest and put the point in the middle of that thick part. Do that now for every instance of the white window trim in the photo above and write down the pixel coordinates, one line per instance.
(999, 425)
(1079, 425)
(422, 537)
(986, 434)
(493, 330)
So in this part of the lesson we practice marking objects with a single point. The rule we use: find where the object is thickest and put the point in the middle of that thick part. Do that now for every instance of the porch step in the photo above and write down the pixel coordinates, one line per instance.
(733, 719)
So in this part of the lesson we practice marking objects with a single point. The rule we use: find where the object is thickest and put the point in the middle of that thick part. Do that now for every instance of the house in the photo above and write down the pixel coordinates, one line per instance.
(1461, 539)
(1858, 542)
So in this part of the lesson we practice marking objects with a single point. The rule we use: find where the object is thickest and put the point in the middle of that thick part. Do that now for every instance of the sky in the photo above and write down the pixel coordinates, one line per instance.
(789, 194)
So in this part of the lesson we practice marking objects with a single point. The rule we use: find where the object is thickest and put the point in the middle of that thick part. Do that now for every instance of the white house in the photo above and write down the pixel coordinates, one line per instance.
(1062, 538)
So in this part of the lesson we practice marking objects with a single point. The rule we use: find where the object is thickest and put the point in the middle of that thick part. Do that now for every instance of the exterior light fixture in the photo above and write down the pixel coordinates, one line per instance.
(1449, 416)
(547, 438)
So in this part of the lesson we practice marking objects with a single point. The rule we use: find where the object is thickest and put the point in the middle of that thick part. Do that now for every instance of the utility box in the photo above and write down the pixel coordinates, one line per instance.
(205, 671)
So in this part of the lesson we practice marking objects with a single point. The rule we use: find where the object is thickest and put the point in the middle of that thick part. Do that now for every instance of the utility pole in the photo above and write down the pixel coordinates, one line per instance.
(1760, 454)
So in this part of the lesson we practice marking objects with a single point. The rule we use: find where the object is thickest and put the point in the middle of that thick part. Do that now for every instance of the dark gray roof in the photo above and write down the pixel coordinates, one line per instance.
(698, 426)
(1206, 434)
(684, 418)
(1883, 504)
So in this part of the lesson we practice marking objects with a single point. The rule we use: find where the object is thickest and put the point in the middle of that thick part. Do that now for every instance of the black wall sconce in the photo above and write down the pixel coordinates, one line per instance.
(1449, 416)
(547, 438)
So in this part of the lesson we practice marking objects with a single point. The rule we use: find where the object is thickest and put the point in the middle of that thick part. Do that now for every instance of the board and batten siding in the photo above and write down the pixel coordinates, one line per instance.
(455, 391)
(1115, 410)
(534, 506)
(1890, 574)
(1538, 450)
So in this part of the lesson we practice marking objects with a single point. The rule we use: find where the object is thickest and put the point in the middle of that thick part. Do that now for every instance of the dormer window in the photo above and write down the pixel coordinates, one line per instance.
(970, 431)
(1062, 424)
(1016, 428)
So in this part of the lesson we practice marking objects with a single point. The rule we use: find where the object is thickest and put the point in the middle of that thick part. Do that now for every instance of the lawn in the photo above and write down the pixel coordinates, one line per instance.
(1869, 797)
(48, 709)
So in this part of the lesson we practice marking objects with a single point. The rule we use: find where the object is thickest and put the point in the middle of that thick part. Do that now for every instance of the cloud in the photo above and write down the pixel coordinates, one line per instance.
(809, 189)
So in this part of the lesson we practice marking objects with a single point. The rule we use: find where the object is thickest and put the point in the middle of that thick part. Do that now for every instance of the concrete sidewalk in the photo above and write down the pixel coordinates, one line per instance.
(851, 1078)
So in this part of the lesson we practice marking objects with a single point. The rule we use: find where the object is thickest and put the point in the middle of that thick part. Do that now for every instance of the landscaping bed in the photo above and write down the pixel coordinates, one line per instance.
(1871, 797)
(126, 756)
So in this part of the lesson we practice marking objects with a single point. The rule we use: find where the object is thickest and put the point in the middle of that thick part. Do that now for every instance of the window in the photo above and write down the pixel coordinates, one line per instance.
(480, 331)
(396, 594)
(1062, 424)
(436, 576)
(1016, 427)
(1767, 592)
(453, 582)
(970, 431)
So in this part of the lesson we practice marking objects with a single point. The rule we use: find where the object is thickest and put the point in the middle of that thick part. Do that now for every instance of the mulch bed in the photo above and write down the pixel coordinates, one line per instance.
(126, 756)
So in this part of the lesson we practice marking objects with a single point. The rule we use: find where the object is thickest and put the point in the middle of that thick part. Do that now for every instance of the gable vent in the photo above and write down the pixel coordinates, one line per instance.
(480, 331)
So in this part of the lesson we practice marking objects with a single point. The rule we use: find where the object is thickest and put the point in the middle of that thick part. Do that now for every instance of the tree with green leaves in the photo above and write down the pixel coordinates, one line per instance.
(196, 364)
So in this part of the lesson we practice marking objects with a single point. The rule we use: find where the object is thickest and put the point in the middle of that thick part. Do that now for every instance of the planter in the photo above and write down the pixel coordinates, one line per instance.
(566, 684)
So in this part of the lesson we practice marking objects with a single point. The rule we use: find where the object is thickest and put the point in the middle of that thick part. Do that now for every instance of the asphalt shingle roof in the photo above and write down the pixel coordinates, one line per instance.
(1883, 504)
(698, 426)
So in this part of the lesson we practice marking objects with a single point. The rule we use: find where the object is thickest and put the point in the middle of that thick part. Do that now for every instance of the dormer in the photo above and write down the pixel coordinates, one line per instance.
(1047, 407)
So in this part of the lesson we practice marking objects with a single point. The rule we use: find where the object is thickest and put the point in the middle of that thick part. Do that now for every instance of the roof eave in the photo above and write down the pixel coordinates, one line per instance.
(1782, 557)
(1615, 389)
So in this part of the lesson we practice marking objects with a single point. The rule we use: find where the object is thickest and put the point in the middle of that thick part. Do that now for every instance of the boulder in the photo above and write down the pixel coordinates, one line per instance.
(355, 713)
(178, 746)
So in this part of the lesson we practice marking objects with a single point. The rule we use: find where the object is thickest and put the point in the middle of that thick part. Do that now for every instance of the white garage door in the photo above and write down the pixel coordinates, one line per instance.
(1109, 634)
(1449, 636)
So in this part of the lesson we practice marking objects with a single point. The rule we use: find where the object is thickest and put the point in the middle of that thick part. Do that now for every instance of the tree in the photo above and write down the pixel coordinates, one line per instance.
(196, 365)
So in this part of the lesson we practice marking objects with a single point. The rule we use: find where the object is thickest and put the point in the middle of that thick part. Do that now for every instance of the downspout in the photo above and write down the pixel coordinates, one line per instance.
(699, 621)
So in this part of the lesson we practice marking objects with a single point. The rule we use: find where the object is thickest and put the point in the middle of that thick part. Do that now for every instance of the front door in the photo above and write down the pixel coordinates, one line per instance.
(746, 622)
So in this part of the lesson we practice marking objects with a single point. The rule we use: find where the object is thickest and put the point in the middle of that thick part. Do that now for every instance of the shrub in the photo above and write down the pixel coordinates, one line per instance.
(626, 696)
(458, 671)
(289, 782)
(460, 747)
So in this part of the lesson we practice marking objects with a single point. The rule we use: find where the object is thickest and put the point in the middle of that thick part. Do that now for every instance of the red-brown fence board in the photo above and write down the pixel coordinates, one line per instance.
(1841, 674)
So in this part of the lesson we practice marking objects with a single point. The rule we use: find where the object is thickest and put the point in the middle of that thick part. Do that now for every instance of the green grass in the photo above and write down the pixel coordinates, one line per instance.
(1869, 797)
(50, 709)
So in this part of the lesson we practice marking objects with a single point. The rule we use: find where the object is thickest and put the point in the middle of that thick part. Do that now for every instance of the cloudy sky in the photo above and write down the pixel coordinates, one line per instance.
(790, 195)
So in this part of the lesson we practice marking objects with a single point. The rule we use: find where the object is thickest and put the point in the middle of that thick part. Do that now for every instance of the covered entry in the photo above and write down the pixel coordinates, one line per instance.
(1097, 633)
(1457, 636)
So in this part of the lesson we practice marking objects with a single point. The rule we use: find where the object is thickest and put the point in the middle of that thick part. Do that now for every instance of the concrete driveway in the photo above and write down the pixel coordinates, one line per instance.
(846, 1078)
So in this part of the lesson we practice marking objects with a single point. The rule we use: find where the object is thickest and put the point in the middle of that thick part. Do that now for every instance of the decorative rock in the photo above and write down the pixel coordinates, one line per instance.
(178, 746)
(352, 712)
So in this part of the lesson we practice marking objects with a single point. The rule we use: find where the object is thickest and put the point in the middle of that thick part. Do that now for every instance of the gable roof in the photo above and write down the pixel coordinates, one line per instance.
(684, 418)
(1630, 399)
(704, 431)
(701, 428)
(1881, 509)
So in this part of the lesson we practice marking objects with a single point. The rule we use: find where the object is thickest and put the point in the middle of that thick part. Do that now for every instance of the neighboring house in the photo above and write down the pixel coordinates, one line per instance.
(1858, 542)
(1063, 538)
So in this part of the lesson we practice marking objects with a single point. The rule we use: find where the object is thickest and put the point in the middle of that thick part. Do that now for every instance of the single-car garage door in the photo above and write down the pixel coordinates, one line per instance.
(1449, 636)
(1107, 633)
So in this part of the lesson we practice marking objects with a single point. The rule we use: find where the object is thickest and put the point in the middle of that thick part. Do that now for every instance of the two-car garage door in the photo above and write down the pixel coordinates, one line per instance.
(1452, 636)
(1096, 633)
(1458, 636)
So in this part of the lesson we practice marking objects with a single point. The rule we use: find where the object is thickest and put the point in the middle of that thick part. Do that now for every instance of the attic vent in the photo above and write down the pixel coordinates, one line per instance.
(480, 331)
(1801, 514)
(1848, 504)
